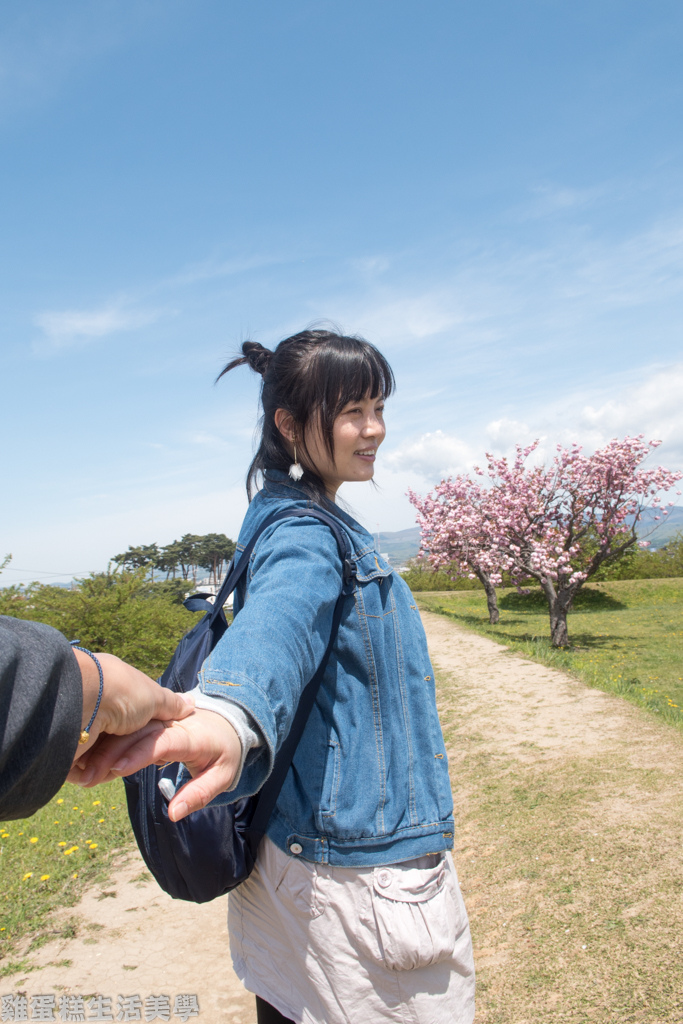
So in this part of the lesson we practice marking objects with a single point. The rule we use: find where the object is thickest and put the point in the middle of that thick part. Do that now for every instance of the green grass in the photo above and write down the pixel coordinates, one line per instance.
(626, 637)
(48, 860)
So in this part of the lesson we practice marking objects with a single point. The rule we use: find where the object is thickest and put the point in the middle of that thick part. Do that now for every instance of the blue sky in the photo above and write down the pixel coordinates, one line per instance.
(489, 191)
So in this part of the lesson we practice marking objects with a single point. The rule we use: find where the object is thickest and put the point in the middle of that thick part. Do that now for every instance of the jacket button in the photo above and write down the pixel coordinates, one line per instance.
(296, 848)
(383, 878)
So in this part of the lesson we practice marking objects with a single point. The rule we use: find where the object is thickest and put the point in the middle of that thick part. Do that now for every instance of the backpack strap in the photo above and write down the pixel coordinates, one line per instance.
(270, 791)
(237, 568)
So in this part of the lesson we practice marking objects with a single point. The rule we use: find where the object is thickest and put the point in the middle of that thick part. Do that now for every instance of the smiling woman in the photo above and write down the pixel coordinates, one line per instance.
(323, 394)
(353, 910)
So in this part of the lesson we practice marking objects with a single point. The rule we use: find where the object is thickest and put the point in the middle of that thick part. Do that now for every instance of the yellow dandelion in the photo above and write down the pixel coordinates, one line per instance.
(75, 874)
(33, 839)
(93, 846)
(44, 878)
(3, 929)
(55, 823)
(96, 803)
(61, 800)
(21, 833)
(100, 821)
(29, 874)
(61, 844)
(74, 808)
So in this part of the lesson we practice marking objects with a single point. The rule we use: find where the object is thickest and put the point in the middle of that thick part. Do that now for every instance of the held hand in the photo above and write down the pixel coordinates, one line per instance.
(204, 741)
(130, 699)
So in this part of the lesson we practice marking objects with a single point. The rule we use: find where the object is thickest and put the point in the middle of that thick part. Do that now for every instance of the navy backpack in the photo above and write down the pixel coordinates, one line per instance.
(213, 850)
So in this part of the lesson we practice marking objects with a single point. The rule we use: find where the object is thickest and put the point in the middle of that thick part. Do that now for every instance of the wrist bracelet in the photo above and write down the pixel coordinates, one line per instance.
(85, 733)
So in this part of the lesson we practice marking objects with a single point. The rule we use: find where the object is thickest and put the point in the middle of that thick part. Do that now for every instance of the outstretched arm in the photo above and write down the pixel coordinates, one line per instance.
(204, 742)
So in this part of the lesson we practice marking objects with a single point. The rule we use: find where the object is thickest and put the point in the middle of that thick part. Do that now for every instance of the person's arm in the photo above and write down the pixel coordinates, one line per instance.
(278, 638)
(47, 695)
(41, 705)
(262, 664)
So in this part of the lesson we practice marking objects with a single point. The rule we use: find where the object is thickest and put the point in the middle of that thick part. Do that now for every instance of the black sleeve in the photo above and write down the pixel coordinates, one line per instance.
(41, 702)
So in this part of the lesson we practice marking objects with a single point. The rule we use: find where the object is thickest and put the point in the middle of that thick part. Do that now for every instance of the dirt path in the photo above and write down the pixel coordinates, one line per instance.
(568, 848)
(133, 939)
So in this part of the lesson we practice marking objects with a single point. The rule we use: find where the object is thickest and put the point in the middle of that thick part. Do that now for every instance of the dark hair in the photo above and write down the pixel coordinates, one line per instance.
(312, 374)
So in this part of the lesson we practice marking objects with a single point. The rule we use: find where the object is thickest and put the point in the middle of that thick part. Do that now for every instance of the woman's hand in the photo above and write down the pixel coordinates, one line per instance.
(204, 741)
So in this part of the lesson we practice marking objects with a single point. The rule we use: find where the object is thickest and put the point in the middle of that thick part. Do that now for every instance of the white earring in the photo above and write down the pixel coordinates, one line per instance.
(296, 470)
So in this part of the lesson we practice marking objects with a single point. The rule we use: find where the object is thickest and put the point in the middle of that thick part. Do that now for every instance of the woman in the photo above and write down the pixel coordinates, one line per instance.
(353, 912)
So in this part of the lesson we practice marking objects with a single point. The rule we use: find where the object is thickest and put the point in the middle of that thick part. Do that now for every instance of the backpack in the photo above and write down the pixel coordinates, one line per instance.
(213, 850)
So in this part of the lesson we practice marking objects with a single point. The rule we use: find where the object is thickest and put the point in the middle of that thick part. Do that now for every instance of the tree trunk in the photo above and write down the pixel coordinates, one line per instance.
(491, 599)
(559, 633)
(558, 606)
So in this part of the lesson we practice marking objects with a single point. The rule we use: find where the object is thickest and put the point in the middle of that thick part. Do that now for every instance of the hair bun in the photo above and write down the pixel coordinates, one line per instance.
(257, 356)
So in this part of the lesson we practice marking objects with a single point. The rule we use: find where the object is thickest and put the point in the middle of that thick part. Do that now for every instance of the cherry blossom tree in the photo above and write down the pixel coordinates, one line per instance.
(457, 533)
(555, 524)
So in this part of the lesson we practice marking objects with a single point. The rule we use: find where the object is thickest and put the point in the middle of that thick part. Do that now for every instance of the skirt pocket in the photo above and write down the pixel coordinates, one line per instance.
(417, 912)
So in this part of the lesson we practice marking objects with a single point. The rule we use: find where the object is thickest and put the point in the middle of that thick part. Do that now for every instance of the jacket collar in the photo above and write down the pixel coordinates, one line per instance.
(278, 484)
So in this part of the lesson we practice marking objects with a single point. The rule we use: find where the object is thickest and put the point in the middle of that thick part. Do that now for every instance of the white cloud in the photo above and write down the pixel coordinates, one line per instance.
(433, 456)
(576, 290)
(652, 407)
(503, 430)
(551, 199)
(209, 270)
(64, 328)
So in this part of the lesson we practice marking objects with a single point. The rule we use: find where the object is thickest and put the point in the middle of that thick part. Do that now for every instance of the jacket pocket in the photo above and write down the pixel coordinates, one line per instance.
(417, 912)
(330, 784)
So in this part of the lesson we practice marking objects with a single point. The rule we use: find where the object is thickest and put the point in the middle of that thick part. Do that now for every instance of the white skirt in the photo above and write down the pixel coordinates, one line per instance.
(331, 945)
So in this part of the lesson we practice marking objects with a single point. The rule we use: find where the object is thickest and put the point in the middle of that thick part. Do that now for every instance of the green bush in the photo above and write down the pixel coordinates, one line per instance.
(119, 612)
(422, 579)
(644, 564)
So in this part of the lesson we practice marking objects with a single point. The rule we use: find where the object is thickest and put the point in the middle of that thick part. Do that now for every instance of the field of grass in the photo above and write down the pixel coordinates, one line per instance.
(48, 860)
(626, 636)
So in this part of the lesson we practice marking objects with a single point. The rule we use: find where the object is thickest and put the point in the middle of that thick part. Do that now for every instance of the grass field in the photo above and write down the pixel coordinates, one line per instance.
(626, 637)
(48, 860)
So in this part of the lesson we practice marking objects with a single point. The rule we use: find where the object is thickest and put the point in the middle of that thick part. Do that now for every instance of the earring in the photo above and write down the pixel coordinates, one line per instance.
(296, 470)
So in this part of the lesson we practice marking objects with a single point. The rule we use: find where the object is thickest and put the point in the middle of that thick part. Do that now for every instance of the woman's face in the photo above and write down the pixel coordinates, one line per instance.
(358, 432)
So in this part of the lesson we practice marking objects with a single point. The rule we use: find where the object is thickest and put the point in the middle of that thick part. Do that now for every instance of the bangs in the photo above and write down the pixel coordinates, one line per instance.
(347, 372)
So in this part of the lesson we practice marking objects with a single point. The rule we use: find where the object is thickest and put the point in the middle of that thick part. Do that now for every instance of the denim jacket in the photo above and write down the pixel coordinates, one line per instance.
(369, 781)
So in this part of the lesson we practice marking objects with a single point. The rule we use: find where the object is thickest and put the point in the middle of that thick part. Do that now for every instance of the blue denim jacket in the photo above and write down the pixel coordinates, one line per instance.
(369, 781)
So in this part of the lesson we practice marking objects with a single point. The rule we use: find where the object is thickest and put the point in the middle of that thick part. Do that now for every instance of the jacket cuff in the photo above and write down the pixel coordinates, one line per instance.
(250, 736)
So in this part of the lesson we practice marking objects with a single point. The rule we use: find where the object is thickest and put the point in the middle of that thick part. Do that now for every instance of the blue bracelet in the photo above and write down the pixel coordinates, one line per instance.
(85, 733)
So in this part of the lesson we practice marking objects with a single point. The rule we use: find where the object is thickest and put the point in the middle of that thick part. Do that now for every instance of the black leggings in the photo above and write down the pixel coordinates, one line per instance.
(267, 1014)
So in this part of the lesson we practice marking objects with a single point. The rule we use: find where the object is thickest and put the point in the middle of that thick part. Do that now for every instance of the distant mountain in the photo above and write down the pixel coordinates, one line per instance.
(404, 544)
(400, 545)
(666, 529)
